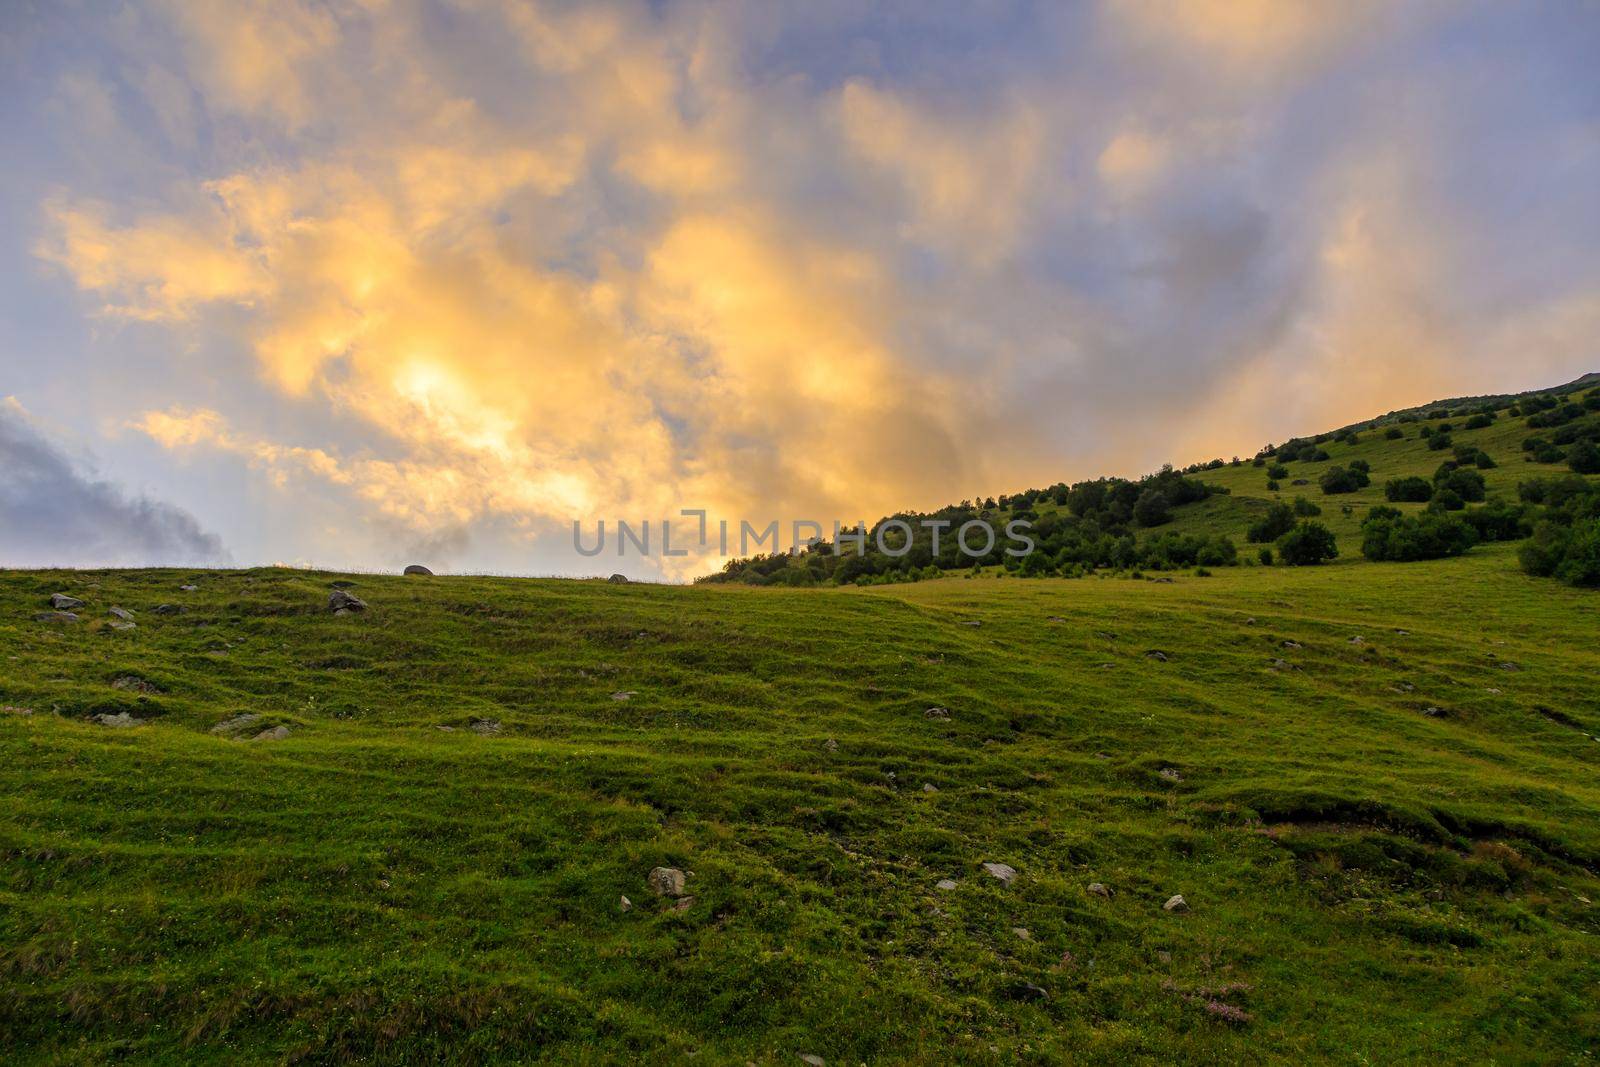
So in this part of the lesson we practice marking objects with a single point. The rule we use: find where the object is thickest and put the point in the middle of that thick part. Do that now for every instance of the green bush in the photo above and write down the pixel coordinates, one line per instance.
(1340, 480)
(1277, 471)
(1570, 554)
(1389, 536)
(1439, 442)
(1467, 484)
(1304, 509)
(1584, 458)
(1308, 544)
(1413, 489)
(1394, 433)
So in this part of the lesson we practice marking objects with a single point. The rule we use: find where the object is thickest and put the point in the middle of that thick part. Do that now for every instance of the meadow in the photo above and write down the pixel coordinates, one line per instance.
(1374, 787)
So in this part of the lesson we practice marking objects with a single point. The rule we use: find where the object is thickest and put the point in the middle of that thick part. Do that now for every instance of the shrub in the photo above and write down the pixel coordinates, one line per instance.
(1467, 484)
(1277, 470)
(1413, 489)
(1480, 421)
(1569, 554)
(1446, 500)
(1308, 544)
(1272, 486)
(1265, 556)
(1389, 536)
(1584, 458)
(1499, 521)
(1485, 462)
(1340, 480)
(1278, 521)
(1304, 509)
(1394, 433)
(1360, 465)
(1439, 442)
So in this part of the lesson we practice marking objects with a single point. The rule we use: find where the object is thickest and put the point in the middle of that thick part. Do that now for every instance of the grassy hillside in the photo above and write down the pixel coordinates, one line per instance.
(1374, 786)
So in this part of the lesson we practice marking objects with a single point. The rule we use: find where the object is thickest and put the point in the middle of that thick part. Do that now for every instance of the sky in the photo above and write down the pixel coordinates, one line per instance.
(361, 283)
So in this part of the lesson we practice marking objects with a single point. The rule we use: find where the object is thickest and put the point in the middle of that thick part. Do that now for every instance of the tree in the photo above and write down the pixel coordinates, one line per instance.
(1151, 508)
(1304, 508)
(1278, 521)
(1388, 535)
(1340, 480)
(1584, 458)
(1308, 544)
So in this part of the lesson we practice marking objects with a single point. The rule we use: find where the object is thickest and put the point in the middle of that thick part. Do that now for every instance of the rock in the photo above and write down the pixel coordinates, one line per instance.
(1301, 481)
(1283, 665)
(936, 713)
(1175, 903)
(124, 626)
(1358, 640)
(929, 787)
(120, 720)
(1292, 646)
(169, 609)
(1434, 712)
(944, 885)
(1029, 991)
(121, 613)
(812, 1059)
(618, 579)
(626, 904)
(666, 881)
(971, 622)
(624, 694)
(1056, 618)
(63, 602)
(343, 602)
(1099, 889)
(1250, 621)
(1509, 666)
(1158, 655)
(1003, 871)
(484, 726)
(188, 588)
(132, 683)
(683, 904)
(1022, 932)
(1403, 633)
(55, 616)
(236, 725)
(1171, 774)
(276, 733)
(831, 745)
(418, 569)
(1403, 687)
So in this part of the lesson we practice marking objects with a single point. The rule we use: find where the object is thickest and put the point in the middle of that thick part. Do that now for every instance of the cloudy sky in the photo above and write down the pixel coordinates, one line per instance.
(363, 282)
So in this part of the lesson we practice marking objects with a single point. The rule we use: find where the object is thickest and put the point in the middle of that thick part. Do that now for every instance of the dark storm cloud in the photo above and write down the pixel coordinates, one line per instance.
(54, 512)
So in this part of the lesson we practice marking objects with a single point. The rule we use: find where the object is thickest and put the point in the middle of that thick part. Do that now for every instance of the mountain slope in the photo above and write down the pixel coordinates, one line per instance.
(1374, 788)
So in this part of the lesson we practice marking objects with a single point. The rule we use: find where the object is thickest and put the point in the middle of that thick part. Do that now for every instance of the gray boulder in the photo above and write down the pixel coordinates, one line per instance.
(618, 579)
(55, 616)
(343, 602)
(1003, 871)
(419, 569)
(666, 881)
(63, 602)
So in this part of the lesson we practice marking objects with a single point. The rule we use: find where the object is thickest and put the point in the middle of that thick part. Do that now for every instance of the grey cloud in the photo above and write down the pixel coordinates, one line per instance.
(53, 512)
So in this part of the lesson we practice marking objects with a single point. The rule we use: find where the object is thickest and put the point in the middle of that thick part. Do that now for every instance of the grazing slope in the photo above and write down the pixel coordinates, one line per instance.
(1374, 786)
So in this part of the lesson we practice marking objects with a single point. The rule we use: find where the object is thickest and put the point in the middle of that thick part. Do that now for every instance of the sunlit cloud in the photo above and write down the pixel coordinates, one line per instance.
(478, 269)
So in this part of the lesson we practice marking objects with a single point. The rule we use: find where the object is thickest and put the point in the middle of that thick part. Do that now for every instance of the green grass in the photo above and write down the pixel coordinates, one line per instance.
(1367, 882)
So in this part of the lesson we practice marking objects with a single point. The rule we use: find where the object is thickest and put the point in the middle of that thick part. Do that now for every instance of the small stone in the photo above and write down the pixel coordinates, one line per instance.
(276, 733)
(666, 881)
(1003, 871)
(1022, 932)
(1492, 689)
(1158, 655)
(626, 904)
(1171, 774)
(1403, 633)
(121, 613)
(1100, 889)
(1292, 645)
(124, 626)
(120, 720)
(1250, 621)
(1029, 991)
(1175, 903)
(683, 904)
(1434, 712)
(1056, 618)
(945, 884)
(1164, 956)
(418, 570)
(134, 684)
(484, 726)
(343, 602)
(618, 579)
(63, 602)
(971, 622)
(170, 609)
(624, 694)
(831, 745)
(929, 787)
(812, 1059)
(55, 616)
(1358, 640)
(936, 713)
(1509, 666)
(188, 588)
